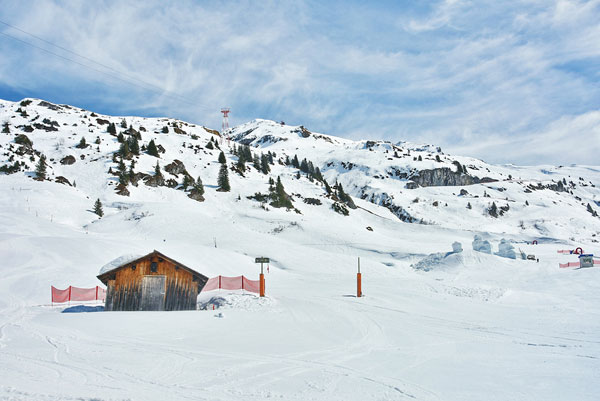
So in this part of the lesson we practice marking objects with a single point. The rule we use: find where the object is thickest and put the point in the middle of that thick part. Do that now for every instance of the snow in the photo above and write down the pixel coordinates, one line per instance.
(120, 261)
(481, 245)
(506, 250)
(474, 326)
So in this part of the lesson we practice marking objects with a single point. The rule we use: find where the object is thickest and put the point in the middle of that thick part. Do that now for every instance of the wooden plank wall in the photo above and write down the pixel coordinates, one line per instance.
(126, 292)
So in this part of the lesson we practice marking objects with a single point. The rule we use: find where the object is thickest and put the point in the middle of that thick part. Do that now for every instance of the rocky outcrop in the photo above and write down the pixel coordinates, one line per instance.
(68, 160)
(445, 176)
(196, 195)
(62, 180)
(176, 167)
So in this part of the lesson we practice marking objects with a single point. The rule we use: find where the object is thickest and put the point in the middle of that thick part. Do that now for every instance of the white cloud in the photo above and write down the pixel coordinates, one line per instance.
(490, 73)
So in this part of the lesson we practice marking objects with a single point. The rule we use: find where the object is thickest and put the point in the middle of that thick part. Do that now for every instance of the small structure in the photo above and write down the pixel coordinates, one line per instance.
(153, 282)
(586, 260)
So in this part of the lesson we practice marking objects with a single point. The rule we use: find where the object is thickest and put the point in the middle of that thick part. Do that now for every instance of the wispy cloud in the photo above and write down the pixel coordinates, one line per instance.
(472, 77)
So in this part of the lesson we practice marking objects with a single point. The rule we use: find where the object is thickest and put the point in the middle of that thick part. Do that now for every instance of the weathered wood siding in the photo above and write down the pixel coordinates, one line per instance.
(125, 291)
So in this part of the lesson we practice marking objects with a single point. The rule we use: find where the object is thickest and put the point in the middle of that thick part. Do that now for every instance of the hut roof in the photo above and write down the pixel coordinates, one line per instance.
(110, 268)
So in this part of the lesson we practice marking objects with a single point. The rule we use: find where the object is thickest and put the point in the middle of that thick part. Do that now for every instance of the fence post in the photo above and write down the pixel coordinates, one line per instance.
(242, 282)
(219, 281)
(69, 295)
(262, 285)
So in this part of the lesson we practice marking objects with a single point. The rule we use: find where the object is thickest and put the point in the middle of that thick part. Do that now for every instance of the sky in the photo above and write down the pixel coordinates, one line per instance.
(506, 81)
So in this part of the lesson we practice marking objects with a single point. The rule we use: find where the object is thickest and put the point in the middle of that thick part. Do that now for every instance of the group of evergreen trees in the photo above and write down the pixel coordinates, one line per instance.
(305, 166)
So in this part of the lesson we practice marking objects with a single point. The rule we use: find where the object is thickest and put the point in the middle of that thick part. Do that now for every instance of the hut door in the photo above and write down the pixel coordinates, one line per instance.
(153, 293)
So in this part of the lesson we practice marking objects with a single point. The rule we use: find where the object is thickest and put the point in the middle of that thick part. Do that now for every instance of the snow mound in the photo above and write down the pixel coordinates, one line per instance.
(506, 250)
(121, 260)
(435, 259)
(481, 245)
(232, 300)
(457, 247)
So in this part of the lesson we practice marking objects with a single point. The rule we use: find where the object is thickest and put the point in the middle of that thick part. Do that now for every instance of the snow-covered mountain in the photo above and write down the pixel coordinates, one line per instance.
(478, 322)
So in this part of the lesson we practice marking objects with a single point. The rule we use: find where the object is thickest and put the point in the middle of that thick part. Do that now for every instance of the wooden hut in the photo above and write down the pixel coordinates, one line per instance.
(152, 282)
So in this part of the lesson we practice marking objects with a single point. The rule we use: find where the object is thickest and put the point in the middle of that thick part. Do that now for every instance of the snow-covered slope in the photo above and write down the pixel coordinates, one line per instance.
(470, 326)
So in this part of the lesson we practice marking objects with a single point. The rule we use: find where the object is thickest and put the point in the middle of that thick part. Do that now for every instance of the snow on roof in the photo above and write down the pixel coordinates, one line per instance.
(121, 260)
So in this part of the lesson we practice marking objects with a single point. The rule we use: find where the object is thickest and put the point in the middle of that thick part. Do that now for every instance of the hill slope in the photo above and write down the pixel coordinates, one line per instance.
(471, 325)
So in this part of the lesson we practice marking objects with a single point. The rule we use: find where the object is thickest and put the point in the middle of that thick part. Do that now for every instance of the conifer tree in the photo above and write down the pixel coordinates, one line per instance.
(152, 150)
(187, 181)
(256, 162)
(222, 158)
(124, 149)
(264, 164)
(241, 163)
(5, 128)
(295, 162)
(40, 169)
(123, 124)
(82, 143)
(304, 166)
(469, 205)
(209, 145)
(111, 129)
(280, 197)
(98, 208)
(120, 137)
(157, 170)
(327, 187)
(223, 179)
(134, 145)
(198, 186)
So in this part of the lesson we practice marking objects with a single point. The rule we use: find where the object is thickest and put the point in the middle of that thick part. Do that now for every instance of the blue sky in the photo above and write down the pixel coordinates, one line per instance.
(509, 82)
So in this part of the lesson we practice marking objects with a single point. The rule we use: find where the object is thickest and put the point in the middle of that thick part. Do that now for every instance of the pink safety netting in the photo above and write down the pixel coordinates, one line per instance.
(570, 264)
(78, 294)
(231, 283)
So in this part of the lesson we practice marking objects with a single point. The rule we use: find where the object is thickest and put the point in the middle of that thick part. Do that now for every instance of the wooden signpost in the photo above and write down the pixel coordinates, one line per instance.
(262, 260)
(358, 281)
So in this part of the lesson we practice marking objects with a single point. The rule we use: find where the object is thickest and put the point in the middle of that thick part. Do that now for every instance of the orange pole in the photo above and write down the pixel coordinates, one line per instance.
(262, 285)
(358, 285)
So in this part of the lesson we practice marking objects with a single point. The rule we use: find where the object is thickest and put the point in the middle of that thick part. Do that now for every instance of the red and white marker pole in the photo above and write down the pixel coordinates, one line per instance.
(358, 281)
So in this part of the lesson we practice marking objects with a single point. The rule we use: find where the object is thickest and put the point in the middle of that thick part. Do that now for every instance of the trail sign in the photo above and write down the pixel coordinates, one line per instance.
(261, 260)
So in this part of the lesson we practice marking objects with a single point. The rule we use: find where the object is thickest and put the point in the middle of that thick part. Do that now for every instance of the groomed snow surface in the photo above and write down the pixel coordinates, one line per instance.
(476, 327)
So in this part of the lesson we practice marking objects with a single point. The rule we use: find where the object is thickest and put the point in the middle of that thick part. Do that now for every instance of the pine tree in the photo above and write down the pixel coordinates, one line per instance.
(223, 179)
(420, 158)
(209, 145)
(256, 162)
(122, 167)
(264, 164)
(295, 162)
(280, 197)
(40, 169)
(157, 170)
(199, 186)
(222, 158)
(493, 210)
(134, 145)
(152, 150)
(98, 208)
(270, 157)
(111, 129)
(131, 173)
(82, 143)
(120, 137)
(304, 166)
(187, 181)
(469, 205)
(287, 160)
(327, 187)
(124, 149)
(241, 163)
(5, 128)
(98, 141)
(165, 130)
(123, 124)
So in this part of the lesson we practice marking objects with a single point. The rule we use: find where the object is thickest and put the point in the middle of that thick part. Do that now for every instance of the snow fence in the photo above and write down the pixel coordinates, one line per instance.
(232, 283)
(78, 294)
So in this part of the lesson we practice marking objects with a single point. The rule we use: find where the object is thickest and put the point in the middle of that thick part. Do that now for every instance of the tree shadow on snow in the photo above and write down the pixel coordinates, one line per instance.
(83, 309)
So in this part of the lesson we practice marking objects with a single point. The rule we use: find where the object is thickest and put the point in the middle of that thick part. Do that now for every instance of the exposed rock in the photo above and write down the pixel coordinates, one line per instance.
(176, 167)
(196, 195)
(444, 176)
(171, 183)
(154, 180)
(48, 105)
(411, 185)
(101, 121)
(24, 140)
(463, 192)
(68, 160)
(134, 133)
(122, 190)
(45, 127)
(312, 201)
(62, 180)
(340, 208)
